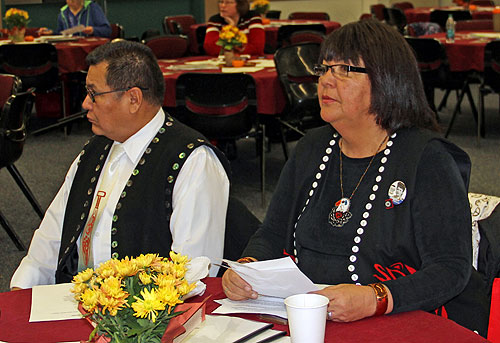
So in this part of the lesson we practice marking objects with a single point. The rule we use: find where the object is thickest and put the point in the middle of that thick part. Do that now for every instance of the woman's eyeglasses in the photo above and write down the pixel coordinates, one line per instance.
(341, 70)
(225, 2)
(93, 94)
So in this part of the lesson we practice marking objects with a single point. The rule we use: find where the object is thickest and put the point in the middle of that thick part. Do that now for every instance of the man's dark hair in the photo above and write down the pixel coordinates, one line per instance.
(397, 95)
(131, 64)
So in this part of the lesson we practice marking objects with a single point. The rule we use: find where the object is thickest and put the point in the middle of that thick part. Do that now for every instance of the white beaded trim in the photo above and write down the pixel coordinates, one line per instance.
(368, 206)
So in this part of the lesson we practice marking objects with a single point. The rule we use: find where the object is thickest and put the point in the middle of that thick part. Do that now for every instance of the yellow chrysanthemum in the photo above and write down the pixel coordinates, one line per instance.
(178, 271)
(107, 269)
(178, 258)
(112, 304)
(142, 261)
(78, 289)
(148, 306)
(90, 300)
(126, 267)
(184, 287)
(83, 276)
(169, 296)
(164, 280)
(112, 286)
(145, 278)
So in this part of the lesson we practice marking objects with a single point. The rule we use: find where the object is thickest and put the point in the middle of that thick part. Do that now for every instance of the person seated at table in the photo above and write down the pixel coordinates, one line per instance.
(167, 186)
(236, 13)
(375, 203)
(81, 12)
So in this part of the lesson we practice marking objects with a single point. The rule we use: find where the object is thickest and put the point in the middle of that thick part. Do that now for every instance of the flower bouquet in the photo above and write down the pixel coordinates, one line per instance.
(231, 39)
(260, 6)
(132, 299)
(15, 22)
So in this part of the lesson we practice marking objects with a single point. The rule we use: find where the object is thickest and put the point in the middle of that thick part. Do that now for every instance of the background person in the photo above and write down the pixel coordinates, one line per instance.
(379, 257)
(236, 13)
(164, 188)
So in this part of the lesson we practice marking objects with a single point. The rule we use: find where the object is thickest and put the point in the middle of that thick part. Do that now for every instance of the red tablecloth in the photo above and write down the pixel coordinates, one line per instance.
(71, 55)
(466, 53)
(270, 96)
(271, 30)
(417, 326)
(424, 13)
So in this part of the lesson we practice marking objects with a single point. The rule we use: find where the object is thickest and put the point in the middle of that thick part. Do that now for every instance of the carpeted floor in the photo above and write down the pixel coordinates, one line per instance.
(46, 159)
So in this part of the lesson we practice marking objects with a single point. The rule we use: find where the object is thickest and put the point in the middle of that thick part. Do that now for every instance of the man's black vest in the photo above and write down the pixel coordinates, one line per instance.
(141, 219)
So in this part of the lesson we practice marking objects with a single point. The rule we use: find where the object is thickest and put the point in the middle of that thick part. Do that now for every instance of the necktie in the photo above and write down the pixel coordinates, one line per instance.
(108, 181)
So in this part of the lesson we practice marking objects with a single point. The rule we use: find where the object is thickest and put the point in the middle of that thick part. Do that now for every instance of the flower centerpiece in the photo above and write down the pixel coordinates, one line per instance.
(15, 22)
(132, 299)
(231, 39)
(260, 6)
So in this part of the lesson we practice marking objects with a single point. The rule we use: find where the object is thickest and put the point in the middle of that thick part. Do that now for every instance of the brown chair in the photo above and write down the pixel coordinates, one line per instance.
(169, 46)
(178, 24)
(488, 3)
(377, 11)
(117, 31)
(309, 16)
(13, 133)
(474, 24)
(405, 5)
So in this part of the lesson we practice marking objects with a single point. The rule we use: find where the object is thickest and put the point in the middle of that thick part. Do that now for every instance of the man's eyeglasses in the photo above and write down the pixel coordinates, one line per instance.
(93, 94)
(225, 2)
(341, 70)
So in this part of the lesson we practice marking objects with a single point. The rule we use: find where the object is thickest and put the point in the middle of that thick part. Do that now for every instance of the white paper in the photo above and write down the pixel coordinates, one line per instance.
(192, 66)
(261, 305)
(265, 63)
(74, 29)
(276, 278)
(53, 302)
(224, 329)
(240, 69)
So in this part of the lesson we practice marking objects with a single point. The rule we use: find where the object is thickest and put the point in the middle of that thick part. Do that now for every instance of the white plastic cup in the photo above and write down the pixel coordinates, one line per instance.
(307, 317)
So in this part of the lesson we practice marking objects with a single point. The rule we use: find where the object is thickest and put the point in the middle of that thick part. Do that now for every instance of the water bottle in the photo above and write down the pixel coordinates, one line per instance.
(450, 29)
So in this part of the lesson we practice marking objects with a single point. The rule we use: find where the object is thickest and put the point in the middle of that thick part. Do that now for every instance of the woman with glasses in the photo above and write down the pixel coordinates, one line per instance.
(374, 203)
(236, 13)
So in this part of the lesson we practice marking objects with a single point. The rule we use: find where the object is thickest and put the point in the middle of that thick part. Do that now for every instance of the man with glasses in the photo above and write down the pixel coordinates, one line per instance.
(144, 184)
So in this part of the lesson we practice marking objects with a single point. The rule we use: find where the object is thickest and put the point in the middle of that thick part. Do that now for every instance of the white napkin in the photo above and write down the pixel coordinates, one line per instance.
(198, 269)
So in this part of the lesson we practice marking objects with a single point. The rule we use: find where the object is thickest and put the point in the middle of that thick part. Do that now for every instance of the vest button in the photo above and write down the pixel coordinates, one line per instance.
(114, 244)
(114, 230)
(114, 255)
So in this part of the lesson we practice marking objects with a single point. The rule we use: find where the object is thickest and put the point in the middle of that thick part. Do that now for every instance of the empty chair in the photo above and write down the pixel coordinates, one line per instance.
(273, 14)
(395, 17)
(12, 136)
(405, 5)
(178, 24)
(489, 3)
(440, 16)
(474, 24)
(150, 33)
(168, 46)
(221, 107)
(435, 73)
(295, 67)
(309, 15)
(491, 78)
(377, 11)
(365, 16)
(306, 31)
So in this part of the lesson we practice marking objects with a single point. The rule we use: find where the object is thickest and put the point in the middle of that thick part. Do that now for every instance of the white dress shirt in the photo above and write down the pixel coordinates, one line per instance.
(197, 224)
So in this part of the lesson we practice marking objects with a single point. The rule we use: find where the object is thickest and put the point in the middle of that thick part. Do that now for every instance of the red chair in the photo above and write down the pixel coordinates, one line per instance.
(378, 11)
(178, 24)
(474, 24)
(309, 16)
(365, 16)
(170, 46)
(403, 5)
(483, 3)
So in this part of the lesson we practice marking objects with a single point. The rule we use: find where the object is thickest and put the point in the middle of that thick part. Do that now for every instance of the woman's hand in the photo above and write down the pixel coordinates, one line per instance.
(229, 21)
(351, 302)
(44, 31)
(88, 30)
(236, 288)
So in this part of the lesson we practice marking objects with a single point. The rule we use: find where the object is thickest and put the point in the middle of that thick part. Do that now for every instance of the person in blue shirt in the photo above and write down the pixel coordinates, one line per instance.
(82, 12)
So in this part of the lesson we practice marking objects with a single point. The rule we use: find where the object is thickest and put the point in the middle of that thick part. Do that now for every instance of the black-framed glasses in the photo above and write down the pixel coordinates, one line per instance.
(93, 94)
(341, 70)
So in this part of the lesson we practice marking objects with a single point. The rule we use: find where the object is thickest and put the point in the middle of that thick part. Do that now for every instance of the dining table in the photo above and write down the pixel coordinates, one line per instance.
(466, 53)
(71, 54)
(271, 98)
(408, 327)
(270, 29)
(423, 14)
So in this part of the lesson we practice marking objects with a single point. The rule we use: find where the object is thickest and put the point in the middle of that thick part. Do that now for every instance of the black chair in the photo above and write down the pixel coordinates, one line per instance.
(309, 16)
(221, 107)
(12, 136)
(273, 14)
(440, 16)
(285, 33)
(435, 73)
(294, 65)
(200, 34)
(36, 65)
(168, 46)
(395, 17)
(491, 78)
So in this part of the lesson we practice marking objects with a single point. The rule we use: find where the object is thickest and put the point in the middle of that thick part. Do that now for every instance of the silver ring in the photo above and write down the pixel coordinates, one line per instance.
(329, 315)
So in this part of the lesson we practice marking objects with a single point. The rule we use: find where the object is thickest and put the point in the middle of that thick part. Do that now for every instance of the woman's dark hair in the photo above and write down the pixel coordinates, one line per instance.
(131, 64)
(397, 95)
(242, 6)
